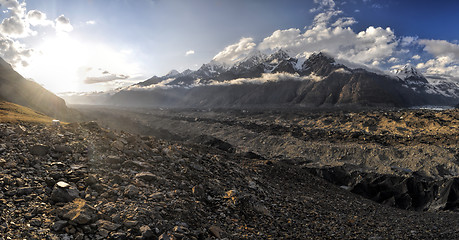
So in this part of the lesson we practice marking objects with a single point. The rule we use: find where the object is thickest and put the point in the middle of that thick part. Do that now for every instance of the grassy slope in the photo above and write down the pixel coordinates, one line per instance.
(10, 112)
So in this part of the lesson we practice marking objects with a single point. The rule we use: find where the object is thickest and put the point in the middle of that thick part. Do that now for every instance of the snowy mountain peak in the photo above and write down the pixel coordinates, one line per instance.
(279, 55)
(172, 73)
(407, 71)
(251, 61)
(321, 57)
(187, 72)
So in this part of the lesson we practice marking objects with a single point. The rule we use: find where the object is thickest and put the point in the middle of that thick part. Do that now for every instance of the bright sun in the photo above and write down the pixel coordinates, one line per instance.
(61, 64)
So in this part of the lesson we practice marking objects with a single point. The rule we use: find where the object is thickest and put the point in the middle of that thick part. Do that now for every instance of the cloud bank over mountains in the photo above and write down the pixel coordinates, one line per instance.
(374, 47)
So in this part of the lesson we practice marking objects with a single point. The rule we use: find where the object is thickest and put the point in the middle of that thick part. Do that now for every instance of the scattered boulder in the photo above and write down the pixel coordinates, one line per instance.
(91, 126)
(214, 142)
(146, 232)
(146, 176)
(62, 149)
(59, 225)
(107, 225)
(215, 231)
(117, 145)
(64, 192)
(78, 212)
(39, 150)
(131, 191)
(114, 160)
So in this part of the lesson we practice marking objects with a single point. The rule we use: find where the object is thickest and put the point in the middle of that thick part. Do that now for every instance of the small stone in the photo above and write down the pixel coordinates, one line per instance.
(199, 192)
(59, 225)
(92, 126)
(103, 232)
(24, 191)
(146, 176)
(64, 192)
(215, 231)
(114, 160)
(107, 225)
(166, 236)
(39, 150)
(146, 232)
(91, 179)
(131, 191)
(36, 222)
(78, 212)
(63, 184)
(117, 145)
(157, 196)
(118, 236)
(111, 135)
(130, 224)
(62, 149)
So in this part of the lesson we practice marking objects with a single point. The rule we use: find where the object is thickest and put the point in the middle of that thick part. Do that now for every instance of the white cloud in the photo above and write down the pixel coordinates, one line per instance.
(344, 22)
(370, 47)
(63, 24)
(102, 76)
(91, 22)
(323, 4)
(36, 17)
(15, 25)
(440, 48)
(267, 77)
(14, 6)
(235, 52)
(408, 40)
(189, 52)
(14, 52)
(416, 57)
(445, 63)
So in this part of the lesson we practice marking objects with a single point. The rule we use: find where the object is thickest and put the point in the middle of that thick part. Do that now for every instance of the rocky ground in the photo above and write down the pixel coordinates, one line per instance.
(79, 181)
(404, 158)
(422, 141)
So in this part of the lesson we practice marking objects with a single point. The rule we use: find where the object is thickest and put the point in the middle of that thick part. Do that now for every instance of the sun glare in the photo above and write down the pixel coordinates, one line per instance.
(62, 64)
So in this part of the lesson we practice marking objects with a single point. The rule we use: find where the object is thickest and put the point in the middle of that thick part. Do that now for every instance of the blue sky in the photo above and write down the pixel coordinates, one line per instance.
(95, 45)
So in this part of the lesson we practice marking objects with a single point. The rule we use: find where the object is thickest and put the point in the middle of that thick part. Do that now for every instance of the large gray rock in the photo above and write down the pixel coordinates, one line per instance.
(64, 192)
(39, 150)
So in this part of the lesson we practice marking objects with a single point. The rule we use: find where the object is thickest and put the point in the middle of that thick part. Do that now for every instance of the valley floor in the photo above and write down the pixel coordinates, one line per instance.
(81, 181)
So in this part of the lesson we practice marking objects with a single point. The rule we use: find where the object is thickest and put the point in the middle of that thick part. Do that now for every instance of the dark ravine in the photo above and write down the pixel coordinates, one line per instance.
(410, 192)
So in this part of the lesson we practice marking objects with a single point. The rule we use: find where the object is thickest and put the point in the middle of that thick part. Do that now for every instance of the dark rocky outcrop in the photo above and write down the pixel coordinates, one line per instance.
(410, 191)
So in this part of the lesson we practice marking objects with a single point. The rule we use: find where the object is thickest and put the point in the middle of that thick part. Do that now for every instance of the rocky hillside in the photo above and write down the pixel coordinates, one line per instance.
(10, 112)
(280, 80)
(79, 181)
(16, 89)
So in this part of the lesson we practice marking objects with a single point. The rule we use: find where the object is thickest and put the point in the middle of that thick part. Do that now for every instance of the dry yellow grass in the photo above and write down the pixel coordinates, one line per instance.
(10, 112)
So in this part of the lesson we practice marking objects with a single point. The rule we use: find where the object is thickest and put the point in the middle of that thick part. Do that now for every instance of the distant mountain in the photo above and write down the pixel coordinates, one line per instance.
(16, 89)
(409, 73)
(279, 80)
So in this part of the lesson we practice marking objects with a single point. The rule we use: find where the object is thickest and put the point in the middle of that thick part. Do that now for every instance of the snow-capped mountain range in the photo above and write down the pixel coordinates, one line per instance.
(279, 79)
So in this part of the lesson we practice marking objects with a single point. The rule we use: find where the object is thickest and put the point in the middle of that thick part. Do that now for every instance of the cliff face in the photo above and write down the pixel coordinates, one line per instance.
(16, 89)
